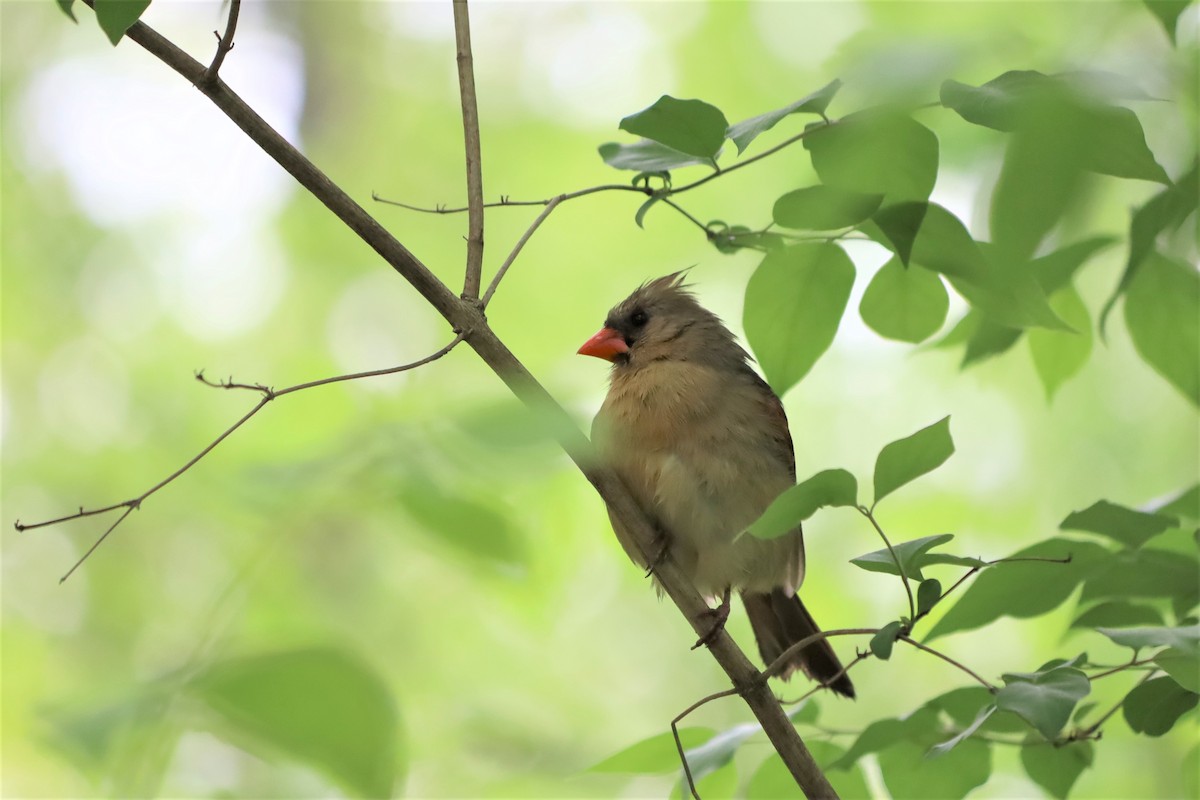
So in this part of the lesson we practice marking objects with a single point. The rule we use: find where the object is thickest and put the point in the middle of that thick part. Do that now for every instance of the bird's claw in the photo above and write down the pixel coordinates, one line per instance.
(662, 546)
(719, 614)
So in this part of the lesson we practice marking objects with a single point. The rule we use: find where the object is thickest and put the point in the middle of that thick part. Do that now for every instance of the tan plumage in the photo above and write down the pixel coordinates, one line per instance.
(703, 444)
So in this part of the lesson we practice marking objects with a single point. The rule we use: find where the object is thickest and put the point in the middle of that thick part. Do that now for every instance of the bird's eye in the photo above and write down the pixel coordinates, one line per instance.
(638, 318)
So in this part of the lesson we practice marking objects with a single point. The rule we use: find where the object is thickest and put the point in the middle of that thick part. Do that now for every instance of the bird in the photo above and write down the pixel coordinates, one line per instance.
(702, 442)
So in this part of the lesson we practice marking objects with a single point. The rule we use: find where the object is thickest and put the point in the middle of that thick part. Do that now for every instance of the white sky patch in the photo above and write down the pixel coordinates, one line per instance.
(219, 282)
(83, 391)
(581, 63)
(137, 143)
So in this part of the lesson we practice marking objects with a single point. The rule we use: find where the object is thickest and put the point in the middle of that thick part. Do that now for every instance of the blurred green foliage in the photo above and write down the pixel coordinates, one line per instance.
(400, 585)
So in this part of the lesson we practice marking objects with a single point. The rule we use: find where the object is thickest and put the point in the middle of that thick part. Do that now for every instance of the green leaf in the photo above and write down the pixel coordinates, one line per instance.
(965, 733)
(746, 131)
(1118, 615)
(1058, 355)
(640, 216)
(823, 208)
(1162, 312)
(689, 126)
(1167, 12)
(646, 156)
(1055, 270)
(794, 302)
(1165, 211)
(832, 487)
(1103, 138)
(907, 459)
(906, 304)
(117, 16)
(988, 339)
(320, 706)
(1040, 180)
(928, 593)
(1147, 572)
(882, 642)
(875, 152)
(1186, 504)
(1185, 639)
(773, 781)
(714, 754)
(1155, 706)
(1023, 589)
(1009, 293)
(884, 733)
(476, 529)
(1130, 528)
(1056, 768)
(908, 773)
(1044, 699)
(913, 556)
(899, 225)
(1183, 666)
(654, 755)
(65, 5)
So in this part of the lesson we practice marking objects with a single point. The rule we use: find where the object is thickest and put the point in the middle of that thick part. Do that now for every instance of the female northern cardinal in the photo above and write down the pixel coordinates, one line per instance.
(703, 444)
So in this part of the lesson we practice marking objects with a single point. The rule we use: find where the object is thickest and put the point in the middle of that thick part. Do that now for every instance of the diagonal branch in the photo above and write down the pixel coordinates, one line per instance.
(470, 115)
(467, 319)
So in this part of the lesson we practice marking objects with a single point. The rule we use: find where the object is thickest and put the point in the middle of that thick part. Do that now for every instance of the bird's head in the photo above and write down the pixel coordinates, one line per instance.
(661, 321)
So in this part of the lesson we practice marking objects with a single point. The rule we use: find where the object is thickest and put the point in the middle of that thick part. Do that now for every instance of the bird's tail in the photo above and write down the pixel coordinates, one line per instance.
(779, 621)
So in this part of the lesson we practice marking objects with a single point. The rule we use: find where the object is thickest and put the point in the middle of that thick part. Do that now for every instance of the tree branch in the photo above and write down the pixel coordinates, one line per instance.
(470, 115)
(467, 319)
(495, 284)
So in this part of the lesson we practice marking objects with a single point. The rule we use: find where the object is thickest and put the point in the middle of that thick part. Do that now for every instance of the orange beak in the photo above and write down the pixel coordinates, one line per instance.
(606, 344)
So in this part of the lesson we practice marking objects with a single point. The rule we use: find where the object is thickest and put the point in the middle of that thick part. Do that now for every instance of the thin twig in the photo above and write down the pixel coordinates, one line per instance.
(948, 660)
(470, 117)
(858, 658)
(679, 742)
(491, 290)
(1121, 668)
(1091, 730)
(912, 606)
(668, 201)
(504, 201)
(777, 666)
(609, 187)
(268, 394)
(224, 43)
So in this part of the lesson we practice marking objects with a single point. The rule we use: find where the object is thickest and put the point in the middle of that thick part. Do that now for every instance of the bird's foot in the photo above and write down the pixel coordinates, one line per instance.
(662, 546)
(719, 615)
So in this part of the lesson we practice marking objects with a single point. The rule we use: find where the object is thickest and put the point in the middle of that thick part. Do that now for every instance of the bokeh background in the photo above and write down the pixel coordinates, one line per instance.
(419, 523)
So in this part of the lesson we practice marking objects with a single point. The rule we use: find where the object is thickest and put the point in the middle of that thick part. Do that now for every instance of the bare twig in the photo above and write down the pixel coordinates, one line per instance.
(224, 43)
(858, 659)
(1091, 730)
(777, 666)
(609, 187)
(687, 770)
(948, 660)
(1134, 662)
(268, 394)
(495, 284)
(504, 201)
(470, 116)
(912, 606)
